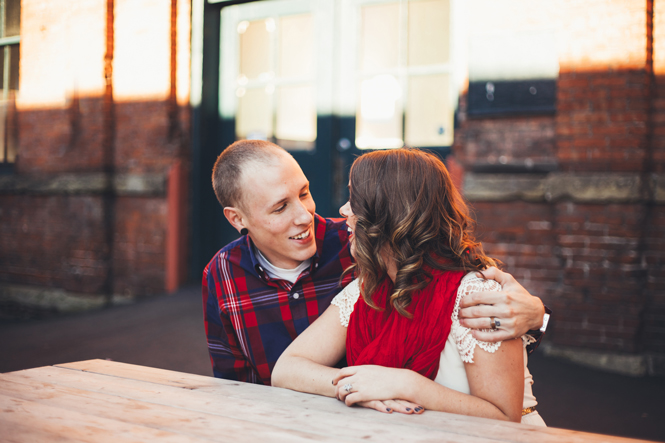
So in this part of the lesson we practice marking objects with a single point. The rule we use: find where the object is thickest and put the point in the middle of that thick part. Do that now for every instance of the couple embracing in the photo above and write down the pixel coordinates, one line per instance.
(399, 288)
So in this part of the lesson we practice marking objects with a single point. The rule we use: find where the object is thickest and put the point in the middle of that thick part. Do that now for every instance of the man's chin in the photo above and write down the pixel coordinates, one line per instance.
(306, 252)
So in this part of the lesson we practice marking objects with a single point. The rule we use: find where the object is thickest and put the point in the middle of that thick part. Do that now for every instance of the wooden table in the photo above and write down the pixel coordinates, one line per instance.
(98, 401)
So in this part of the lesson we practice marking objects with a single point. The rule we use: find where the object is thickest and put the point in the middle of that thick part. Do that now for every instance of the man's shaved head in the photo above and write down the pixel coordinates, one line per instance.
(233, 161)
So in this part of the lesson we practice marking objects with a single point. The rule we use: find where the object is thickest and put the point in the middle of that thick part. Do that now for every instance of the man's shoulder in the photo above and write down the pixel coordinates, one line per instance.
(334, 238)
(335, 226)
(231, 253)
(230, 265)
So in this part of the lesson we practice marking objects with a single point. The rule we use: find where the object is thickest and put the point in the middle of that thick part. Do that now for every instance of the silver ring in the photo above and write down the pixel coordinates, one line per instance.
(493, 323)
(348, 387)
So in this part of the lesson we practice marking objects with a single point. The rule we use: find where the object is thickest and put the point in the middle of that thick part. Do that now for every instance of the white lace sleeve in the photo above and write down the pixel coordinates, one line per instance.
(345, 301)
(466, 344)
(527, 340)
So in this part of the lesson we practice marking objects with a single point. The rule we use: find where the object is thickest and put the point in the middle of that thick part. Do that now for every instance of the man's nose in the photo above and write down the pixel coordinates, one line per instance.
(303, 216)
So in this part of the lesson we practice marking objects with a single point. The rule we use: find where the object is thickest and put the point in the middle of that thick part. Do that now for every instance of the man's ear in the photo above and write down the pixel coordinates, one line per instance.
(235, 217)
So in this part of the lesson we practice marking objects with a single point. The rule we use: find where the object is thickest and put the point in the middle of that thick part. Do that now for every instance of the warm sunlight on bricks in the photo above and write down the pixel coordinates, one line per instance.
(142, 50)
(62, 52)
(183, 54)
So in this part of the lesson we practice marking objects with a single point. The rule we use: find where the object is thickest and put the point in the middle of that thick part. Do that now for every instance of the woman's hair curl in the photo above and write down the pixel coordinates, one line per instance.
(408, 208)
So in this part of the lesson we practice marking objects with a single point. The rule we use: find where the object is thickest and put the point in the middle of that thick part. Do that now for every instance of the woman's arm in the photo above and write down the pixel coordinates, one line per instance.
(496, 382)
(306, 365)
(496, 379)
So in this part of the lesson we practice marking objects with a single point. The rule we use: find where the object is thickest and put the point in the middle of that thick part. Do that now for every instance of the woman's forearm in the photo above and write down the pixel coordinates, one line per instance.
(380, 383)
(436, 397)
(306, 365)
(302, 374)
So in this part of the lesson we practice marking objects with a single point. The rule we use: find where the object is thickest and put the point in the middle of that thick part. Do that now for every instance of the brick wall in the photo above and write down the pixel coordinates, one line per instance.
(601, 120)
(52, 241)
(510, 140)
(596, 255)
(62, 55)
(139, 258)
(51, 236)
(654, 316)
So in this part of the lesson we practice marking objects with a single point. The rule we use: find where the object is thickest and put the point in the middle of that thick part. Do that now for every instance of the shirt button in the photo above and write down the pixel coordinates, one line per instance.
(296, 296)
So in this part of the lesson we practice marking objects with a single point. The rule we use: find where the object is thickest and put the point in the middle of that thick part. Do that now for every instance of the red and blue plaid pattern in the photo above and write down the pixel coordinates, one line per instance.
(250, 319)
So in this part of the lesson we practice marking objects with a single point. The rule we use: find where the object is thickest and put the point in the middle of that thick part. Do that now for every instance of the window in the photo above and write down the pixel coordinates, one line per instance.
(404, 75)
(269, 72)
(10, 25)
(387, 64)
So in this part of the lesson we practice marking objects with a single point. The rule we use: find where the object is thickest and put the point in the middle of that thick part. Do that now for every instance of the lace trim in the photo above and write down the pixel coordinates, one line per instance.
(466, 343)
(346, 300)
(528, 340)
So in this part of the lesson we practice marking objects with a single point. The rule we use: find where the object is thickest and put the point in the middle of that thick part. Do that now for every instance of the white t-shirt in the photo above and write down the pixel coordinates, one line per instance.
(290, 275)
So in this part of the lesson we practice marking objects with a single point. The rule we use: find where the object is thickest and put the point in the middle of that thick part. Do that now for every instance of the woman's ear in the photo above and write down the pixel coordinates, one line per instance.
(235, 217)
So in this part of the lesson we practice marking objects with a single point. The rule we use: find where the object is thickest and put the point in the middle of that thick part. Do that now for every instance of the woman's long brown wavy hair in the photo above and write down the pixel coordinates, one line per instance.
(407, 206)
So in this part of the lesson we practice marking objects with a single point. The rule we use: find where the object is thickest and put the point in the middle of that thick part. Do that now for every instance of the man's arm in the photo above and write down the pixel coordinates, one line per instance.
(228, 361)
(516, 309)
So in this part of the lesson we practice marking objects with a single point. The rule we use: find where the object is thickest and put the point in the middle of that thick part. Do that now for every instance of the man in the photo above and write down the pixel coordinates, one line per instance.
(262, 290)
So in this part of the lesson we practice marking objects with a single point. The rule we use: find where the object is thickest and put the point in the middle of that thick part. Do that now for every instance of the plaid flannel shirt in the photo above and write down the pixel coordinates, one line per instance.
(250, 319)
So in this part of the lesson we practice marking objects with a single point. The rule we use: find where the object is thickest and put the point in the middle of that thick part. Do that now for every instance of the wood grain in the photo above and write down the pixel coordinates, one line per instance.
(122, 402)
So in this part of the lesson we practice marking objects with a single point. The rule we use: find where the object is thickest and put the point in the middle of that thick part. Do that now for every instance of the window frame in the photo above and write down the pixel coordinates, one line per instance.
(6, 43)
(353, 76)
(320, 78)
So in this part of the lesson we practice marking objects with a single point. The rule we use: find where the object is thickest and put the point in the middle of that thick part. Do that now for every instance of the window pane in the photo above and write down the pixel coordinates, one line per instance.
(429, 117)
(428, 32)
(379, 39)
(296, 113)
(13, 67)
(12, 17)
(254, 117)
(255, 48)
(296, 46)
(379, 119)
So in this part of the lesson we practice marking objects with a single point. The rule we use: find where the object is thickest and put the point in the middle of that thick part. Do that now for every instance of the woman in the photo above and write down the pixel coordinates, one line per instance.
(397, 322)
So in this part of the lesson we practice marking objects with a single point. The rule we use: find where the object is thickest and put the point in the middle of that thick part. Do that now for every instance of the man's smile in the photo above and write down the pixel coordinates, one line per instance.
(301, 236)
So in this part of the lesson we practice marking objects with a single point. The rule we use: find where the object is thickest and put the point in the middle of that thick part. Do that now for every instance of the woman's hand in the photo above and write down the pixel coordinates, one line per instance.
(390, 406)
(375, 387)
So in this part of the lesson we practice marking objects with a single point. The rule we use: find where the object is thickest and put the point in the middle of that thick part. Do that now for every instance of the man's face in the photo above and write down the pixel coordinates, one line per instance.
(279, 211)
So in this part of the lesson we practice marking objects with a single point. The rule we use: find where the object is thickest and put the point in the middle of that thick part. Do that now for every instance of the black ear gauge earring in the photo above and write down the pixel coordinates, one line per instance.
(244, 231)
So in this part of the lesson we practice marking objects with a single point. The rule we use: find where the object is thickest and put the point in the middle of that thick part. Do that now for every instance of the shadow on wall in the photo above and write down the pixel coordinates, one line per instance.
(587, 236)
(94, 203)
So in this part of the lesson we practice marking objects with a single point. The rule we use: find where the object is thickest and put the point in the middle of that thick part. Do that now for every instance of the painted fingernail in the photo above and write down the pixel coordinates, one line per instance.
(418, 409)
(332, 381)
(408, 409)
(389, 410)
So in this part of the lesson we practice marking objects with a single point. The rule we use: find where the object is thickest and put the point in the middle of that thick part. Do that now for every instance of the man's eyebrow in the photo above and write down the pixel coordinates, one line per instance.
(285, 199)
(277, 203)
